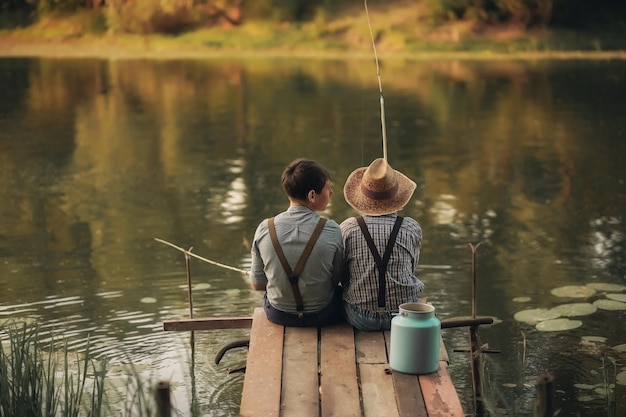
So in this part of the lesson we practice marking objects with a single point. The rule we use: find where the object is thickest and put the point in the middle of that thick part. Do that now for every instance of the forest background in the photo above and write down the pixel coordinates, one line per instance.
(399, 27)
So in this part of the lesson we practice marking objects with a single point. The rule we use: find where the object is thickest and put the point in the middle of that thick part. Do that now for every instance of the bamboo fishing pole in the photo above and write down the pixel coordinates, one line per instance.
(380, 85)
(188, 253)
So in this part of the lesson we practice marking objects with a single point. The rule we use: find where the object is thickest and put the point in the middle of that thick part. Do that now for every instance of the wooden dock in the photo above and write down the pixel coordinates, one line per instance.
(336, 371)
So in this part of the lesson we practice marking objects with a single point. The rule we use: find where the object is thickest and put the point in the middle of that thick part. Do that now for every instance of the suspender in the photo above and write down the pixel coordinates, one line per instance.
(294, 274)
(381, 263)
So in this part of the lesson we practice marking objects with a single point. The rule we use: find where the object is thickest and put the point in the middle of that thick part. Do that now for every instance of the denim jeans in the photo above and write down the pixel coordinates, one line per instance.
(330, 314)
(366, 320)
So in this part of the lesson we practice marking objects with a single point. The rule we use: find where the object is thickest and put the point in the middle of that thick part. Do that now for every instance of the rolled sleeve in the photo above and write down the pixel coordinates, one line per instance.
(257, 271)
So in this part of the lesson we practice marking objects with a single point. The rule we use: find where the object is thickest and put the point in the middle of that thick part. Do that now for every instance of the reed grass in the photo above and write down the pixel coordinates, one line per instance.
(38, 380)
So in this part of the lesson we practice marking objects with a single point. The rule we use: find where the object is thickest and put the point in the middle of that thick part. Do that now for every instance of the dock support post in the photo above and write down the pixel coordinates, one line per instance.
(475, 346)
(545, 394)
(162, 399)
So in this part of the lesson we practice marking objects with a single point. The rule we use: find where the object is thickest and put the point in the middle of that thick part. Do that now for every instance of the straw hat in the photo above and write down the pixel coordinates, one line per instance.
(378, 189)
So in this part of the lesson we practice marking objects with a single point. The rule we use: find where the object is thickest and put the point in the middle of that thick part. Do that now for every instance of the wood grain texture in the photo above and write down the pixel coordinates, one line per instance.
(339, 384)
(336, 371)
(377, 390)
(300, 387)
(440, 396)
(262, 384)
(409, 397)
(370, 347)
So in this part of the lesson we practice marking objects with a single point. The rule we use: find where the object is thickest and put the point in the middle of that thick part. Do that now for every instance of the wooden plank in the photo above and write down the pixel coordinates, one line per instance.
(262, 383)
(300, 396)
(210, 323)
(466, 322)
(409, 399)
(370, 347)
(339, 387)
(440, 396)
(377, 390)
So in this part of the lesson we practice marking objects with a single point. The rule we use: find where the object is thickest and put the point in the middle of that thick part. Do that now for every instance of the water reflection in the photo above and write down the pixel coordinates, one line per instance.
(97, 158)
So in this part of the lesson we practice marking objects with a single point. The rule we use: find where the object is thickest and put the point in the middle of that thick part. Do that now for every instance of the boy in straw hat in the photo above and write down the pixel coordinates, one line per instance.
(381, 249)
(297, 256)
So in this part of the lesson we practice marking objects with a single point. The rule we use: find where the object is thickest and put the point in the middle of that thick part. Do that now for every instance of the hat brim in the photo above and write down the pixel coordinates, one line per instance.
(369, 207)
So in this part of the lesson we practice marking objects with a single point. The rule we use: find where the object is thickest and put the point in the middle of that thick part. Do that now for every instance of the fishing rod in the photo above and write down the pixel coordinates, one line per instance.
(380, 85)
(188, 253)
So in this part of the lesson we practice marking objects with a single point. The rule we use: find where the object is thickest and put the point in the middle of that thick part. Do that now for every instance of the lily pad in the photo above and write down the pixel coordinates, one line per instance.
(202, 286)
(148, 300)
(620, 378)
(575, 309)
(604, 286)
(609, 305)
(598, 339)
(603, 391)
(586, 398)
(521, 299)
(558, 325)
(620, 348)
(617, 297)
(535, 315)
(584, 386)
(573, 291)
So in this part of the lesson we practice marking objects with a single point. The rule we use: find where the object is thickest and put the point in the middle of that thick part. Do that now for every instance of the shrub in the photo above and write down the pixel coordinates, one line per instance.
(147, 16)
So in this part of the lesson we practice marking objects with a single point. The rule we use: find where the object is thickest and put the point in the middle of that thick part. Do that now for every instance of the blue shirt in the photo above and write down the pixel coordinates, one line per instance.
(322, 271)
(361, 288)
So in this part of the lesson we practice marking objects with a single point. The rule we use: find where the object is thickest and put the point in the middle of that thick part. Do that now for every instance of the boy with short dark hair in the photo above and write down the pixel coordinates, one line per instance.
(297, 256)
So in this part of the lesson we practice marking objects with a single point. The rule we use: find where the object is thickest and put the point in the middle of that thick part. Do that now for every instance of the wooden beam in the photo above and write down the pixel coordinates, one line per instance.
(439, 394)
(339, 386)
(370, 347)
(262, 384)
(300, 390)
(377, 390)
(208, 323)
(409, 399)
(466, 322)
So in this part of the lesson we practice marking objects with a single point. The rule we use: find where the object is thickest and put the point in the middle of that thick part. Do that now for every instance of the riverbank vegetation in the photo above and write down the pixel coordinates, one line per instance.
(398, 26)
(42, 377)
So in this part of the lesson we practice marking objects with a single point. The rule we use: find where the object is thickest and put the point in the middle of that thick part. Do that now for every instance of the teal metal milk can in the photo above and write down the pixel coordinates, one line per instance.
(415, 339)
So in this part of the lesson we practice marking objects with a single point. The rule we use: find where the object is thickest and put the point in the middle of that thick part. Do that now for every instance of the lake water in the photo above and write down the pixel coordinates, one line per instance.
(100, 157)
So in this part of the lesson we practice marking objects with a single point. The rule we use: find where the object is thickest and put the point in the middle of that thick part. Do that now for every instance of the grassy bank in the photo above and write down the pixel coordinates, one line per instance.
(400, 31)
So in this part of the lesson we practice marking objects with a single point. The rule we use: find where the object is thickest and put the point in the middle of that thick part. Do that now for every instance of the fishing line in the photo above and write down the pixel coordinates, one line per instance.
(380, 85)
(188, 253)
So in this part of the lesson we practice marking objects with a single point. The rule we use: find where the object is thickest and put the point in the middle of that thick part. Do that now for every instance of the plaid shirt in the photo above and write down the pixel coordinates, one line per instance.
(361, 283)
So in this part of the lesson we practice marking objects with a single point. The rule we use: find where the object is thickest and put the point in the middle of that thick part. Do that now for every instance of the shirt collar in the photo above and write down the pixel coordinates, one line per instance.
(299, 209)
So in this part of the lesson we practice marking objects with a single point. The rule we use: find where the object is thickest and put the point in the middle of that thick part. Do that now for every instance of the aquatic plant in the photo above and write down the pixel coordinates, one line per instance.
(38, 380)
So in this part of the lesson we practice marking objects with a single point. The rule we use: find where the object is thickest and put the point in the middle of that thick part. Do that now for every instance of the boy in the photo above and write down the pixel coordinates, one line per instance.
(381, 249)
(297, 256)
